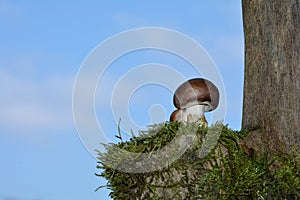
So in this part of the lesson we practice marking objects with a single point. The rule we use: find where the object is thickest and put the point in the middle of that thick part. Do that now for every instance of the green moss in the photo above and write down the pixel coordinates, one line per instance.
(227, 172)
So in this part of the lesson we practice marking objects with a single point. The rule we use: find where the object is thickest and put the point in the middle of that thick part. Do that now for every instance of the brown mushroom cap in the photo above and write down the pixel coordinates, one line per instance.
(175, 116)
(196, 92)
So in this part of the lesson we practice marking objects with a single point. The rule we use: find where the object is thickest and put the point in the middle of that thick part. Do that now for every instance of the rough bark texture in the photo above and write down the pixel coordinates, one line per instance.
(271, 107)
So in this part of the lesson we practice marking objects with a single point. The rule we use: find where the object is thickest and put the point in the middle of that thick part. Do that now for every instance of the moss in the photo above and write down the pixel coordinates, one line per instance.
(227, 172)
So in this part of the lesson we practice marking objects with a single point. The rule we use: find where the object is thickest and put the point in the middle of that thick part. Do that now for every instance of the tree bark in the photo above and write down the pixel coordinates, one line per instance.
(271, 108)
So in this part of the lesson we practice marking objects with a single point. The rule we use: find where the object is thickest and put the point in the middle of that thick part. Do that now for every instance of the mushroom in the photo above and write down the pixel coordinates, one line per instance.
(192, 99)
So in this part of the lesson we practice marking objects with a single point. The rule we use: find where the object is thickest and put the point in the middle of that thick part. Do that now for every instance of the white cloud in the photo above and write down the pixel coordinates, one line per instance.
(35, 104)
(46, 103)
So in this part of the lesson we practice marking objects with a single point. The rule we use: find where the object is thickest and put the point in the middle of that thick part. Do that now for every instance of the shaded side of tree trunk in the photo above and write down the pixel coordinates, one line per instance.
(271, 107)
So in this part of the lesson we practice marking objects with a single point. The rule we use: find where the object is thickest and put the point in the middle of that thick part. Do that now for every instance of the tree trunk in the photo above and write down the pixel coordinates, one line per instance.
(271, 110)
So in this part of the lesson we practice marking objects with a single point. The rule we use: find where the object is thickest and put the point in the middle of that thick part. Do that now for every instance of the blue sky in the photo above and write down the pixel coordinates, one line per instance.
(42, 46)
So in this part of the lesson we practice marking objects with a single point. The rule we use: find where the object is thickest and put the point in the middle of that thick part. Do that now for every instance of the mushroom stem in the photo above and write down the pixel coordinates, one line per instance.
(191, 114)
(196, 114)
